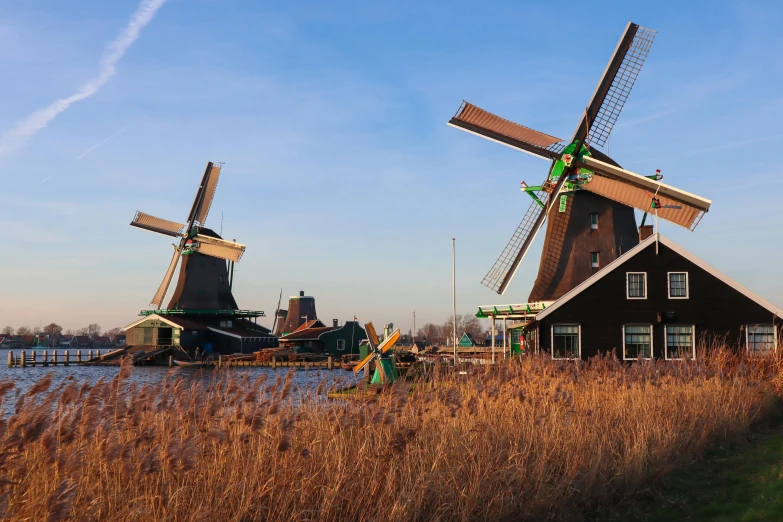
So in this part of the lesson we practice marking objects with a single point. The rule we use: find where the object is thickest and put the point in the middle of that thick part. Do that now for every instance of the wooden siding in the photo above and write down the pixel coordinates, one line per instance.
(565, 259)
(717, 310)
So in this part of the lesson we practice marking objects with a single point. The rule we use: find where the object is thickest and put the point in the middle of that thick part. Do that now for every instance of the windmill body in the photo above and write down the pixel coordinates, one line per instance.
(203, 282)
(587, 200)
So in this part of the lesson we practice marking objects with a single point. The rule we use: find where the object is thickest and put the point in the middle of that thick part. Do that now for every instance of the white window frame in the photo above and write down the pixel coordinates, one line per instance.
(652, 352)
(339, 342)
(666, 342)
(552, 342)
(774, 338)
(593, 226)
(687, 285)
(628, 285)
(597, 263)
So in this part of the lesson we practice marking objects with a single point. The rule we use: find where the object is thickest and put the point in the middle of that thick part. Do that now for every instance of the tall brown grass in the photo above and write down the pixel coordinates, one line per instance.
(530, 439)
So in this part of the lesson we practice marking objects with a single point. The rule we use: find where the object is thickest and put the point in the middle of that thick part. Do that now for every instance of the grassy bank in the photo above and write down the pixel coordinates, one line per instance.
(529, 440)
(732, 482)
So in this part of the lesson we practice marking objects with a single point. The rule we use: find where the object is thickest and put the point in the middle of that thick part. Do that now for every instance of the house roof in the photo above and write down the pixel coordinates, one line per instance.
(82, 339)
(310, 334)
(242, 333)
(312, 323)
(677, 249)
(173, 321)
(468, 338)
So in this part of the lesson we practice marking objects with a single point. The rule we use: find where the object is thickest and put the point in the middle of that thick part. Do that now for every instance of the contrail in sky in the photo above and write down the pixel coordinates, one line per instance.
(26, 128)
(104, 140)
(83, 154)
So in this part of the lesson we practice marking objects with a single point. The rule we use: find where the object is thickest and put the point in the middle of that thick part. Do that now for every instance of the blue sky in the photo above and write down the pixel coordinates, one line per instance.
(341, 175)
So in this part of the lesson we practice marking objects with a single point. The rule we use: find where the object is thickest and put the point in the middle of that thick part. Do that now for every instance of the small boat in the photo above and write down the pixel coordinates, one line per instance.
(189, 363)
(349, 362)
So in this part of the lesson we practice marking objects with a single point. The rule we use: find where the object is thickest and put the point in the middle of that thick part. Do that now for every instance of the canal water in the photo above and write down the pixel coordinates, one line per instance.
(303, 380)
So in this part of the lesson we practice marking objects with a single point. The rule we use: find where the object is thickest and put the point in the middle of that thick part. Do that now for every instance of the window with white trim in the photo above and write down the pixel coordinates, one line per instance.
(680, 341)
(565, 341)
(678, 285)
(341, 344)
(594, 221)
(636, 285)
(760, 338)
(637, 341)
(594, 261)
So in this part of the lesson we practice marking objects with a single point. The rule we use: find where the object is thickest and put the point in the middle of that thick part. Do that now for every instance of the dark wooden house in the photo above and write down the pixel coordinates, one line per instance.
(327, 340)
(656, 300)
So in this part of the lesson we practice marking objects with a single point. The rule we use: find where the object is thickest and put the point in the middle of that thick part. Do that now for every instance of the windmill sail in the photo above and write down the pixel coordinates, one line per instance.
(478, 121)
(156, 224)
(620, 88)
(209, 194)
(634, 190)
(214, 247)
(164, 286)
(389, 342)
(206, 191)
(501, 273)
(615, 85)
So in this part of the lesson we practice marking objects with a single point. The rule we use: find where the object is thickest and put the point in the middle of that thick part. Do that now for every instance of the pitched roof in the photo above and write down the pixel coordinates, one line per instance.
(243, 333)
(310, 334)
(643, 245)
(173, 321)
(312, 323)
(467, 339)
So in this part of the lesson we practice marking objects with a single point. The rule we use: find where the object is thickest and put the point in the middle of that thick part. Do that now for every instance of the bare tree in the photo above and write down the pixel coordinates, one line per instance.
(53, 329)
(466, 323)
(93, 329)
(433, 333)
(24, 330)
(69, 333)
(113, 333)
(8, 330)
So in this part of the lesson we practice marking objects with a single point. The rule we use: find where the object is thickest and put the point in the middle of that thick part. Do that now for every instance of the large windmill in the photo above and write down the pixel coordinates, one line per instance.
(203, 278)
(587, 197)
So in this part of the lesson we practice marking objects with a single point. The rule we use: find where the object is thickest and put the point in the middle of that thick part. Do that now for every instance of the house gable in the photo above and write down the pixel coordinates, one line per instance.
(717, 307)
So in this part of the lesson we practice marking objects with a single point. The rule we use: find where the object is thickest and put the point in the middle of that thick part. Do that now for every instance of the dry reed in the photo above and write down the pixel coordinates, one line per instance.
(530, 439)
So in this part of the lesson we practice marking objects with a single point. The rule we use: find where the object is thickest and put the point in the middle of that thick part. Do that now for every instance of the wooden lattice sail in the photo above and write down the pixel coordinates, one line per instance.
(587, 197)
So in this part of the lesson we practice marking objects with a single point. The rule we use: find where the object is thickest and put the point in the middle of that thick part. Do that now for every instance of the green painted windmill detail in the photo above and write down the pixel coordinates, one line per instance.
(381, 352)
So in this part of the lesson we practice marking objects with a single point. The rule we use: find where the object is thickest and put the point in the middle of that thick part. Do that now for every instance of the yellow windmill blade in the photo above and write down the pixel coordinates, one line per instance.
(390, 341)
(365, 361)
(372, 337)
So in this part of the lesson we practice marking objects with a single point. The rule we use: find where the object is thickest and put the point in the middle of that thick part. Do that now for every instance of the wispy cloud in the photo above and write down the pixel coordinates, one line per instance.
(27, 127)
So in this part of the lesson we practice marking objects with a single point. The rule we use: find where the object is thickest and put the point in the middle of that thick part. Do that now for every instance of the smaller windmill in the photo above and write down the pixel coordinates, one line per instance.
(195, 239)
(385, 366)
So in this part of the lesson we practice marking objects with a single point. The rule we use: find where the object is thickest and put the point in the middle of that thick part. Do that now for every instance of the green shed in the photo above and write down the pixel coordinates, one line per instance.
(343, 340)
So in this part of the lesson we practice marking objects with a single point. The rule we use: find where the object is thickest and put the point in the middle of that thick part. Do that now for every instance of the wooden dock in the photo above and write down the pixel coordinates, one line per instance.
(33, 358)
(47, 358)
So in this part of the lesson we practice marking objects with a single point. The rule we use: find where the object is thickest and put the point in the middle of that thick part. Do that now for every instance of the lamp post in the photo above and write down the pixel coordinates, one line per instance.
(454, 297)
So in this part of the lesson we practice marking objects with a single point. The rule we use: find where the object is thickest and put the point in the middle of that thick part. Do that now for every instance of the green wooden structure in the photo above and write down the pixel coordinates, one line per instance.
(467, 341)
(343, 340)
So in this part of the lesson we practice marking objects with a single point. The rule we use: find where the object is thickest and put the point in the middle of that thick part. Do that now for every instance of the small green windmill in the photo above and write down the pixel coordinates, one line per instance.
(385, 365)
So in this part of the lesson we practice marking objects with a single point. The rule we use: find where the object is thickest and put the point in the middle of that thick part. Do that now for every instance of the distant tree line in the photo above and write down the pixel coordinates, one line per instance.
(440, 334)
(92, 330)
